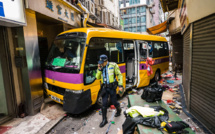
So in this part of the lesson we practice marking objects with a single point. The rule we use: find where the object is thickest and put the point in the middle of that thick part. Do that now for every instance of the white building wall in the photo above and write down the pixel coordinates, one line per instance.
(143, 2)
(113, 7)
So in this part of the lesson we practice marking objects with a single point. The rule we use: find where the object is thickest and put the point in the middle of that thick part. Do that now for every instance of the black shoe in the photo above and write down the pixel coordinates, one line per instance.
(118, 112)
(104, 117)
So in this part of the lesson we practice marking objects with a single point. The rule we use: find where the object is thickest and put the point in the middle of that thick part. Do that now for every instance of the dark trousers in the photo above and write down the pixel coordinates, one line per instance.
(113, 97)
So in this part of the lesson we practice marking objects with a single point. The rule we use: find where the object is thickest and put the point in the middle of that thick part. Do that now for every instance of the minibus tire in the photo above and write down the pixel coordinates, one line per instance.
(157, 76)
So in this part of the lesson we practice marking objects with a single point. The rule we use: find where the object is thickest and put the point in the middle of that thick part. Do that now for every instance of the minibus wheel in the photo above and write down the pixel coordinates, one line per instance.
(157, 76)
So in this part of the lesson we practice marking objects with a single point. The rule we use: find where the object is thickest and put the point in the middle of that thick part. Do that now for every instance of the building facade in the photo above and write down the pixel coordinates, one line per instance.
(27, 31)
(138, 15)
(104, 13)
(10, 91)
(193, 27)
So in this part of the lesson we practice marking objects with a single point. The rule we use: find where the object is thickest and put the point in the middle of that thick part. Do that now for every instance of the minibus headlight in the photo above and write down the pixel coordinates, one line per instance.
(75, 91)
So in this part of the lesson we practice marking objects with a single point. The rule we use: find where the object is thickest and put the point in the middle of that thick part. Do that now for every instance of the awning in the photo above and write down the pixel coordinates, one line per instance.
(168, 5)
(89, 24)
(158, 28)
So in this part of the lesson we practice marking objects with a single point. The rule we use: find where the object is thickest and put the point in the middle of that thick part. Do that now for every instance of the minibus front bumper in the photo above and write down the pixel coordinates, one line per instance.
(76, 103)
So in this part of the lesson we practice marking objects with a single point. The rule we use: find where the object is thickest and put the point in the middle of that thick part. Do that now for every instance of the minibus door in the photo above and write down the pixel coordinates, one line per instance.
(130, 56)
(142, 54)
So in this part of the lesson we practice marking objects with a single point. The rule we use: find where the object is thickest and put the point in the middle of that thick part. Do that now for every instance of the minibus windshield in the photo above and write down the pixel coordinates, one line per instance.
(66, 55)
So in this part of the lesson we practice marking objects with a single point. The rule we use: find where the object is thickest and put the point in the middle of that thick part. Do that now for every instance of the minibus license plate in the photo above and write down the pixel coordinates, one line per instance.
(55, 98)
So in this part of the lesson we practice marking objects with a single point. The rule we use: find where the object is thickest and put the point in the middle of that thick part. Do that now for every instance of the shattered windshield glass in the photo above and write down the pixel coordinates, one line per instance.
(66, 55)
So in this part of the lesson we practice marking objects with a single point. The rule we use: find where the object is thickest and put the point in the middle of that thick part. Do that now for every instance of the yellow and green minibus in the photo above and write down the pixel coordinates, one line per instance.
(72, 63)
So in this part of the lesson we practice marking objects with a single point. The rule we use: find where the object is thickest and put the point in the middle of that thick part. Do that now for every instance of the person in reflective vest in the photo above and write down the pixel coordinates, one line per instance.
(107, 72)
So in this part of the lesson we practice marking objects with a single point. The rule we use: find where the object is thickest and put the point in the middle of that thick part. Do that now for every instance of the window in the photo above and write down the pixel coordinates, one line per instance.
(166, 49)
(143, 19)
(128, 45)
(132, 2)
(133, 10)
(142, 9)
(156, 49)
(125, 21)
(160, 49)
(133, 21)
(138, 9)
(126, 29)
(129, 29)
(143, 28)
(133, 29)
(129, 11)
(66, 54)
(143, 50)
(121, 12)
(138, 19)
(98, 46)
(139, 29)
(129, 20)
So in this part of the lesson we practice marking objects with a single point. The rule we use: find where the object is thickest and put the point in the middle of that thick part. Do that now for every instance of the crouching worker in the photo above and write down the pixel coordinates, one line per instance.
(107, 72)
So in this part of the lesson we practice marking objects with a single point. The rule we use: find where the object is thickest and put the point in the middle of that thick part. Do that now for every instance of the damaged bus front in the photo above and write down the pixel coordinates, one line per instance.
(63, 76)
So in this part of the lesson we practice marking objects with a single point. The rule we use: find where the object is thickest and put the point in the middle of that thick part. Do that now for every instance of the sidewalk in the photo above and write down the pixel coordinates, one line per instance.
(50, 114)
(176, 97)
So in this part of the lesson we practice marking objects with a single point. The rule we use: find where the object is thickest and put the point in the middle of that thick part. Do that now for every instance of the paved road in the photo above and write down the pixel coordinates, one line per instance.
(88, 122)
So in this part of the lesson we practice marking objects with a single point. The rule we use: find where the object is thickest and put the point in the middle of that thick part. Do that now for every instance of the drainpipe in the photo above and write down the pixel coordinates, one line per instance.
(86, 13)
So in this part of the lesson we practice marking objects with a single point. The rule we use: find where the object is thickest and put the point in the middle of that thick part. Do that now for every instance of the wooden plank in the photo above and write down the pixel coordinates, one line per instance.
(135, 100)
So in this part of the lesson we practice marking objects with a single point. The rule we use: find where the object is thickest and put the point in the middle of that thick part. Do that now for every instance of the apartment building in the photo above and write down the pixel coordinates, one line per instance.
(138, 15)
(103, 12)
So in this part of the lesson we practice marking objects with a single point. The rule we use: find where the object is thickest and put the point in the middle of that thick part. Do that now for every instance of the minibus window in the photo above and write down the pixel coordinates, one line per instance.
(98, 46)
(143, 51)
(66, 55)
(160, 49)
(143, 46)
(166, 49)
(156, 49)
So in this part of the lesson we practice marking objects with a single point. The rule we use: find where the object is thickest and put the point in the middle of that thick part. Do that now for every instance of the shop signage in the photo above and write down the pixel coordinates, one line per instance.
(12, 11)
(183, 15)
(59, 8)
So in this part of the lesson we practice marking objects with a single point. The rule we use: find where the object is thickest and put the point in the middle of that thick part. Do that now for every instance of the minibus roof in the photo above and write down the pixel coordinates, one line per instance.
(111, 33)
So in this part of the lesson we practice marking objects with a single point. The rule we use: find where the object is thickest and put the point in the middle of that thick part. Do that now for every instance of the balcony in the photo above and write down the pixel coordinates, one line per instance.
(101, 3)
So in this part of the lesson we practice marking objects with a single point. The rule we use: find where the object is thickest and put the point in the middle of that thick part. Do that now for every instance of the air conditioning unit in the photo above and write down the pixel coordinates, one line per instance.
(97, 12)
(90, 6)
(108, 18)
(112, 19)
(103, 17)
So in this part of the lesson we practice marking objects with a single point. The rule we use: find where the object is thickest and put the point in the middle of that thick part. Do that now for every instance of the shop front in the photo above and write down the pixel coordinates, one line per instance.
(45, 20)
(10, 95)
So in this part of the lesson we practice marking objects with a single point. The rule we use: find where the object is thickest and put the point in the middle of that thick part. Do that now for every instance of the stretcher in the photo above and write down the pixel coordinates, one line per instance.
(135, 100)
